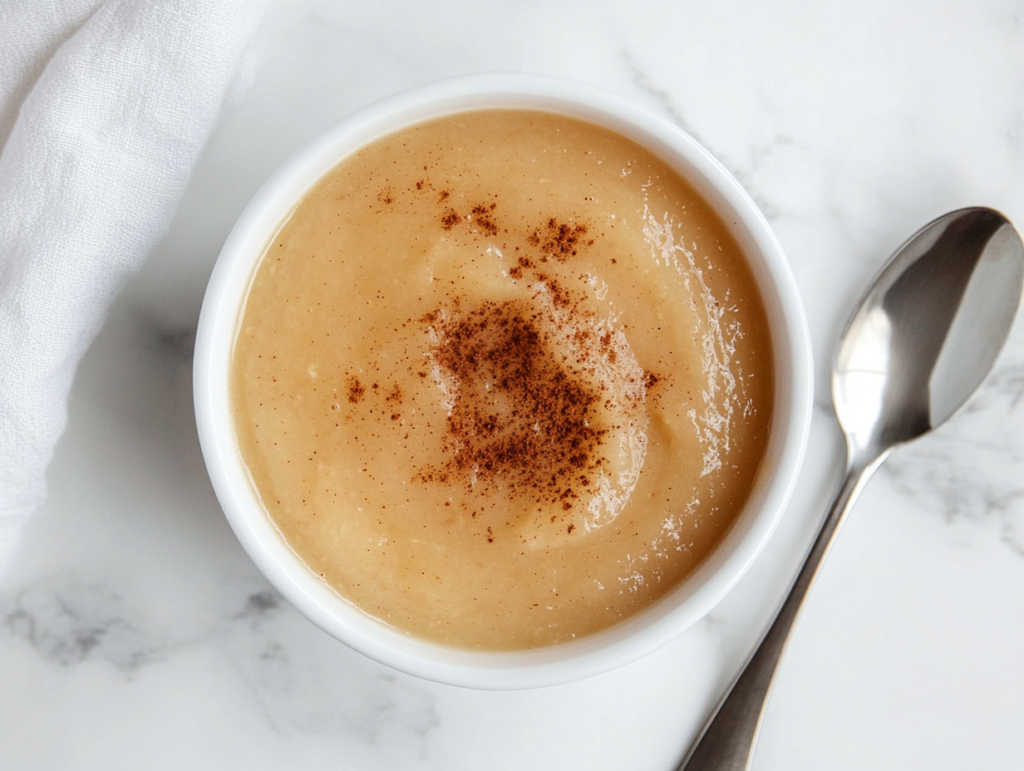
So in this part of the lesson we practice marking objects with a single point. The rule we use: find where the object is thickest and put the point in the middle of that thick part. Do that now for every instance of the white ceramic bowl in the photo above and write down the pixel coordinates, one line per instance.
(637, 636)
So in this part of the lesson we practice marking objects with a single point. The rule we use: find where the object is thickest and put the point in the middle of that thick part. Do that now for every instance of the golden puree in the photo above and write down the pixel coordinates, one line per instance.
(502, 379)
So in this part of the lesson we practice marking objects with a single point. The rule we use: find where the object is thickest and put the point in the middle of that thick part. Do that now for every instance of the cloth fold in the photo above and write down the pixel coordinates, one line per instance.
(105, 106)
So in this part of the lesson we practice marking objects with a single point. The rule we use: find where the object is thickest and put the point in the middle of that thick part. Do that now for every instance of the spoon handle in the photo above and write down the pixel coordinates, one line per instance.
(726, 743)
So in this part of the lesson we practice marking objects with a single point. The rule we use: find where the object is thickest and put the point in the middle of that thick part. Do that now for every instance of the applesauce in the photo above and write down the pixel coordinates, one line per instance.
(502, 379)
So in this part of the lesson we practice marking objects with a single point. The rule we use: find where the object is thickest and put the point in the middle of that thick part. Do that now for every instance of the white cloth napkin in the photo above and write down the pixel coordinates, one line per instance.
(104, 108)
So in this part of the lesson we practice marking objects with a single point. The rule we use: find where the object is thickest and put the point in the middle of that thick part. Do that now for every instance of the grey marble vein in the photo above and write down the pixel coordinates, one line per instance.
(662, 98)
(304, 682)
(67, 621)
(308, 683)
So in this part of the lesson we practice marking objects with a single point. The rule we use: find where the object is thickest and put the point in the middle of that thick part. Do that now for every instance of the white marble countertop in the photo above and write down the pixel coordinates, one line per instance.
(135, 633)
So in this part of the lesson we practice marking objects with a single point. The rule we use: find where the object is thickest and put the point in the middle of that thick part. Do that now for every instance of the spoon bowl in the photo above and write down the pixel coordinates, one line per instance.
(929, 329)
(922, 340)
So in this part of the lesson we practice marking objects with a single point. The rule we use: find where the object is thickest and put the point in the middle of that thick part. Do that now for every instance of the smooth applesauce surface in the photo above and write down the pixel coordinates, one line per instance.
(502, 379)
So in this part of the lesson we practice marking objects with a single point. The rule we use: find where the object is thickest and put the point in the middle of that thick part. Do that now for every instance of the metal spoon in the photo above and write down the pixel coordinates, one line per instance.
(924, 337)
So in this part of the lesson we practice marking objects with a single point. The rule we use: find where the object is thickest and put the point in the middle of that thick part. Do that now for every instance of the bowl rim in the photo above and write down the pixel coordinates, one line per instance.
(665, 619)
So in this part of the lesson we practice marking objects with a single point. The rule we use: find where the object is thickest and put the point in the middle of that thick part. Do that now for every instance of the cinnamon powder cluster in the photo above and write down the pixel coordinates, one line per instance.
(523, 417)
(520, 419)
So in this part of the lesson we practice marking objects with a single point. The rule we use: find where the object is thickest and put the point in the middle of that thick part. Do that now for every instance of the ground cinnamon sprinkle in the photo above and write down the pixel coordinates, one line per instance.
(356, 391)
(560, 240)
(524, 418)
(521, 419)
(449, 219)
(484, 218)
